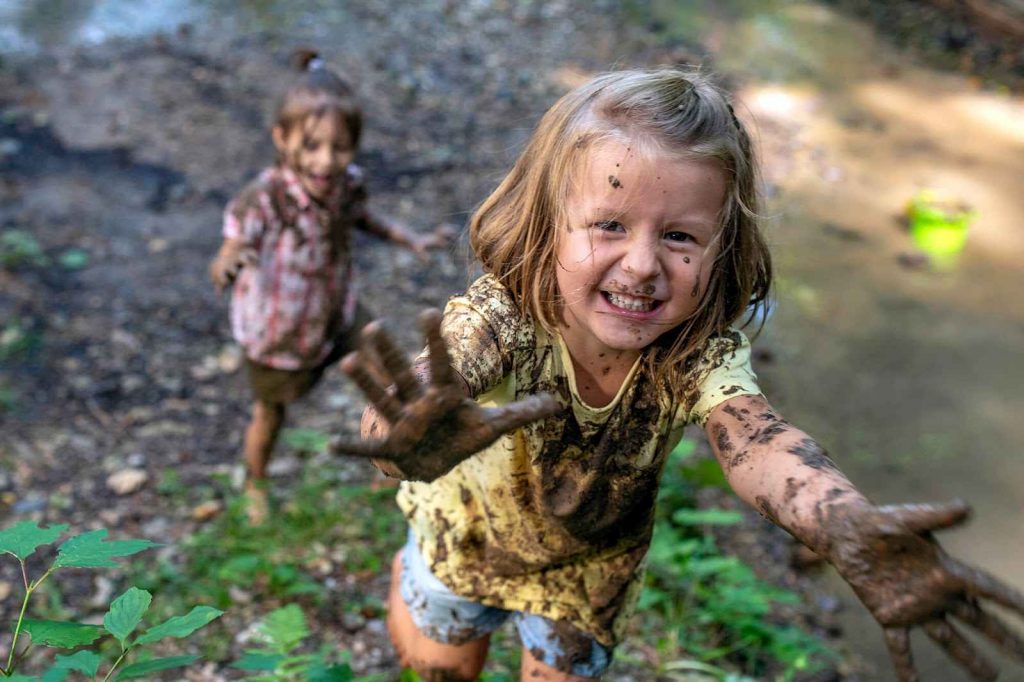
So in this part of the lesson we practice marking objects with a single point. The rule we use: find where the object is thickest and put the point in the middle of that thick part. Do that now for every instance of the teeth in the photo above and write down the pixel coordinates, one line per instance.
(632, 303)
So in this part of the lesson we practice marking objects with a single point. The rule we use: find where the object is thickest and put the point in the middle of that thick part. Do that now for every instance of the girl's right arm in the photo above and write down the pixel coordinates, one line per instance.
(425, 423)
(234, 254)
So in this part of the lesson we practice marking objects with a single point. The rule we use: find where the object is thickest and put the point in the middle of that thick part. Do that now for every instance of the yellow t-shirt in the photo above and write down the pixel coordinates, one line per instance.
(555, 518)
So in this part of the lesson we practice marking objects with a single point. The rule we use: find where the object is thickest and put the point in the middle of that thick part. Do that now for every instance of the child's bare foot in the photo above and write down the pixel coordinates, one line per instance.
(257, 502)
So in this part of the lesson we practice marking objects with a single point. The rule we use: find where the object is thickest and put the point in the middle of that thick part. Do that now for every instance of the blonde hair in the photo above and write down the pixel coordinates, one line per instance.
(515, 231)
(318, 92)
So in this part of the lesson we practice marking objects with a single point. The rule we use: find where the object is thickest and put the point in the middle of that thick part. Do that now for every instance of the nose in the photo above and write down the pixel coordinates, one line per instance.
(324, 156)
(641, 259)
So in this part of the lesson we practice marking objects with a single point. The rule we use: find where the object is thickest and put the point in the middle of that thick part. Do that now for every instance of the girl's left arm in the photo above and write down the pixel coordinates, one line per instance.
(887, 554)
(397, 233)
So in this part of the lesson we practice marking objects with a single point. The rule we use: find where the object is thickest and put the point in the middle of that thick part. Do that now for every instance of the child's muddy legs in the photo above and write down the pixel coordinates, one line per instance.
(532, 670)
(260, 437)
(432, 661)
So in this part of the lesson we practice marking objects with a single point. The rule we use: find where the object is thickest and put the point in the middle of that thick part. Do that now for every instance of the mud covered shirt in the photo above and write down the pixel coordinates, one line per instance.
(556, 517)
(287, 311)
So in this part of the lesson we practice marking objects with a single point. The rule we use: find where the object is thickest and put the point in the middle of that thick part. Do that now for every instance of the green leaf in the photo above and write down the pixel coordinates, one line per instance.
(683, 449)
(709, 517)
(335, 673)
(155, 665)
(309, 440)
(257, 660)
(285, 628)
(180, 626)
(61, 634)
(74, 259)
(86, 662)
(88, 550)
(126, 612)
(22, 539)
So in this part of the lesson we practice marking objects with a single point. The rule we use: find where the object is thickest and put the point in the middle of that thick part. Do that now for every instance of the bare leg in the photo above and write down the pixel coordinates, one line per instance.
(432, 661)
(532, 669)
(260, 437)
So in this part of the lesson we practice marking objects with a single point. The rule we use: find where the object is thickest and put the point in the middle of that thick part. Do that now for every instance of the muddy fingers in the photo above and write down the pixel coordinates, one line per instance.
(923, 518)
(386, 404)
(991, 627)
(897, 640)
(441, 372)
(394, 360)
(357, 448)
(960, 650)
(978, 583)
(510, 417)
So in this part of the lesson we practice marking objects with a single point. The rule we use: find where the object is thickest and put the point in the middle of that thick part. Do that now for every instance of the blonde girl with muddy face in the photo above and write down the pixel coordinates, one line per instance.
(531, 434)
(287, 251)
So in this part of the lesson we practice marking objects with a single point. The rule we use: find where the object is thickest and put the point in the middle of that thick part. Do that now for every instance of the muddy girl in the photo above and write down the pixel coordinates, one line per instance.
(620, 252)
(287, 251)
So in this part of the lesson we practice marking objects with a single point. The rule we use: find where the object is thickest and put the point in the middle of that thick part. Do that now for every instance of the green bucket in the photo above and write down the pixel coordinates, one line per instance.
(938, 225)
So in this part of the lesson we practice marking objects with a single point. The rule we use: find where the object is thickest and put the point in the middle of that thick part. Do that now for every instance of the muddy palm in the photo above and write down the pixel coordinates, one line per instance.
(432, 425)
(905, 579)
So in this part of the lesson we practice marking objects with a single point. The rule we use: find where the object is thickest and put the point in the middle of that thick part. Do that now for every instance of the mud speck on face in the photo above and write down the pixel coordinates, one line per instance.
(614, 182)
(686, 259)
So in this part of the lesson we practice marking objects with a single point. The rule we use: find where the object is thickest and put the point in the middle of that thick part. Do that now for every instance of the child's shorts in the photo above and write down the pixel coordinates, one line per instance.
(272, 385)
(448, 618)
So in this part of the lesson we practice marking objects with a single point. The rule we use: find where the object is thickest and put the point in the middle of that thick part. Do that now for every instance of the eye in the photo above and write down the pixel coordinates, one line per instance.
(608, 226)
(311, 145)
(678, 237)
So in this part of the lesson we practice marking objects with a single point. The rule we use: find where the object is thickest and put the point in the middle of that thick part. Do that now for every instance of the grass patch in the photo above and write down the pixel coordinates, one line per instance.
(711, 614)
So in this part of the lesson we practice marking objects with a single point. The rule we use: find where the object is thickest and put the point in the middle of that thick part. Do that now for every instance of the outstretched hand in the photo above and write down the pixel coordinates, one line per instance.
(433, 426)
(233, 256)
(905, 579)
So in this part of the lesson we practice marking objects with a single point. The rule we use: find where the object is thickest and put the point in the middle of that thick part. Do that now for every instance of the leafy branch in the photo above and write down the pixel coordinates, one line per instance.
(90, 550)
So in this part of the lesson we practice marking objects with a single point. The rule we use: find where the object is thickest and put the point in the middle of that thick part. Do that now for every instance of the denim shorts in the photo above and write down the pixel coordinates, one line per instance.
(448, 618)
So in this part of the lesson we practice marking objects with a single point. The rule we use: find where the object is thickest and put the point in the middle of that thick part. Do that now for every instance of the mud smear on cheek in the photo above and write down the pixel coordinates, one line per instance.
(614, 182)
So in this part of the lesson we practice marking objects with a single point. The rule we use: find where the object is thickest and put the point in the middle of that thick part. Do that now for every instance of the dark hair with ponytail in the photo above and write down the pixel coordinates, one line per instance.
(318, 92)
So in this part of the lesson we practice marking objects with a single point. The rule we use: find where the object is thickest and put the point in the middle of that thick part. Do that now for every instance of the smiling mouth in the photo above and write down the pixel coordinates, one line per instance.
(320, 179)
(632, 304)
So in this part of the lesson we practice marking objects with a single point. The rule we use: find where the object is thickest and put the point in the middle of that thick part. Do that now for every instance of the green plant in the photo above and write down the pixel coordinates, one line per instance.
(20, 248)
(16, 339)
(280, 654)
(90, 550)
(318, 526)
(714, 613)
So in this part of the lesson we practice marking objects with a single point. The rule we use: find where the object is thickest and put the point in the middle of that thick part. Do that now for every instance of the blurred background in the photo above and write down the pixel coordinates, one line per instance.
(892, 138)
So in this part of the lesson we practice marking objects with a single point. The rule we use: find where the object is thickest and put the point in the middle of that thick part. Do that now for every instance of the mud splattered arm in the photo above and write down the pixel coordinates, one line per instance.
(777, 468)
(426, 428)
(398, 233)
(887, 554)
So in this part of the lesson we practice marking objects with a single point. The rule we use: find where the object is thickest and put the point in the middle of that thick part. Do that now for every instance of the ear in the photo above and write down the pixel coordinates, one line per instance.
(277, 132)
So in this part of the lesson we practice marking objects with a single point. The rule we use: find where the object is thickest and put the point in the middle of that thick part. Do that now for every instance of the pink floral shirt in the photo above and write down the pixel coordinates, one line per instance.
(287, 310)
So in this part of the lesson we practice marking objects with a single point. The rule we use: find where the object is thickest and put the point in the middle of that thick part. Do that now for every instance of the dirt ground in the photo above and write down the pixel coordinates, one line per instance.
(127, 150)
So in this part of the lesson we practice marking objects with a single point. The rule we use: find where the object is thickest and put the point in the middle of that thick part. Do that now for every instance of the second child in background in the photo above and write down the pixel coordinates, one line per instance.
(288, 252)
